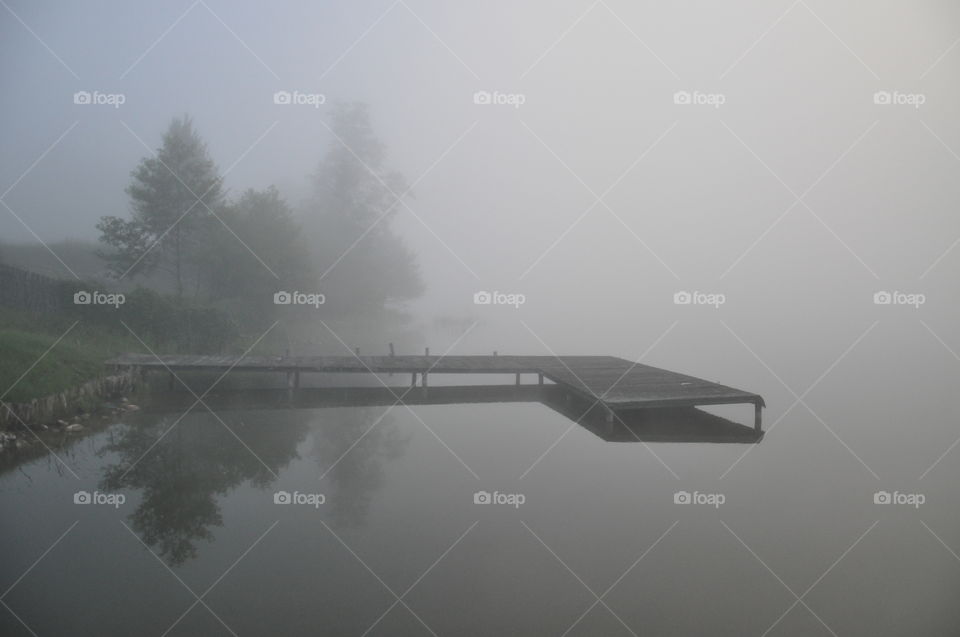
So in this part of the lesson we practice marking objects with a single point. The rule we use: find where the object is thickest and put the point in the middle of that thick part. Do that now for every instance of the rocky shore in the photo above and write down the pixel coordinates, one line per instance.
(69, 411)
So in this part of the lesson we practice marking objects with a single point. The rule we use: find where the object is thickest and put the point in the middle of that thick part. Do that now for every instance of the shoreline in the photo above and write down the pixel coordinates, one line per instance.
(66, 410)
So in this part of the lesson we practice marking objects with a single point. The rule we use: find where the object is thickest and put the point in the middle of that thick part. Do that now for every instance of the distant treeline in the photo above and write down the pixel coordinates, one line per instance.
(208, 267)
(238, 253)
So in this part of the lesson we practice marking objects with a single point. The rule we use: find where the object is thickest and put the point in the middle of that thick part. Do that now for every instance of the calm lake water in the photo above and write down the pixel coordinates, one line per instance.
(366, 520)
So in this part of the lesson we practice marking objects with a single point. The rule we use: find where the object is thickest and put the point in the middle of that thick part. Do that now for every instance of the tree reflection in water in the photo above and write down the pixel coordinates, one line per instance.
(181, 474)
(354, 476)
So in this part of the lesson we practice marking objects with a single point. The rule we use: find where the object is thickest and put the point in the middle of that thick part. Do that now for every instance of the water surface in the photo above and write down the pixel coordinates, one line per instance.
(385, 536)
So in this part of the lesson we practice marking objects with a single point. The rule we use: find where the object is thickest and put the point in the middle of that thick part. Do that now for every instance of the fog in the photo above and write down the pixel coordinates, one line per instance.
(776, 165)
(593, 194)
(503, 184)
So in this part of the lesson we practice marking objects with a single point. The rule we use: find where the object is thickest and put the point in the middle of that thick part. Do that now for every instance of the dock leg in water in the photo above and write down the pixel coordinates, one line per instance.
(539, 379)
(413, 379)
(757, 408)
(518, 379)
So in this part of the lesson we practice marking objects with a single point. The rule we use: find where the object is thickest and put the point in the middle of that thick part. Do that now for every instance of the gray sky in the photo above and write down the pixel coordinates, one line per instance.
(694, 196)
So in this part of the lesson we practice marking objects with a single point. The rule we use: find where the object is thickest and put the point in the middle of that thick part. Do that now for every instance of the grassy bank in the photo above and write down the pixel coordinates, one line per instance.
(77, 357)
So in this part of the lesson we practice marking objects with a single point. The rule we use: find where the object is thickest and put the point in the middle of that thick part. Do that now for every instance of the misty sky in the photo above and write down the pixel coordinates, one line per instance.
(693, 196)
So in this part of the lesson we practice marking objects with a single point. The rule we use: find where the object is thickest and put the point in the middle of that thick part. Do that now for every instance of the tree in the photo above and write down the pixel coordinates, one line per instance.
(171, 196)
(364, 266)
(263, 252)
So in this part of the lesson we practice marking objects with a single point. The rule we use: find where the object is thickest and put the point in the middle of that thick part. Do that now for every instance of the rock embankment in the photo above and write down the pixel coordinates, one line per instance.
(65, 406)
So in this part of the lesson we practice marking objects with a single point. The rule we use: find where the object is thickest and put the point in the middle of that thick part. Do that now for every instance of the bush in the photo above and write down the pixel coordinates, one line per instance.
(167, 323)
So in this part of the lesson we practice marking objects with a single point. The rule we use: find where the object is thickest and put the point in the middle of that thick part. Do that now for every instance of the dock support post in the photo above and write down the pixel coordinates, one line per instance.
(426, 351)
(757, 409)
(423, 381)
(296, 379)
(539, 379)
(356, 352)
(413, 379)
(391, 350)
(518, 378)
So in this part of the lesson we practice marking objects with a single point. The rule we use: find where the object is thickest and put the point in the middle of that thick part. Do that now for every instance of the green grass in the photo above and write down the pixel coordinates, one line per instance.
(76, 358)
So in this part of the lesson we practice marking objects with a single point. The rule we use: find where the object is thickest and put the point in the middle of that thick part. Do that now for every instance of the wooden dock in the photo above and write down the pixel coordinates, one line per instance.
(615, 384)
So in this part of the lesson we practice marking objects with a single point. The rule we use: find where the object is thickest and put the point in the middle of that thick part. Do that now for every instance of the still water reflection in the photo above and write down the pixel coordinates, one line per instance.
(474, 511)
